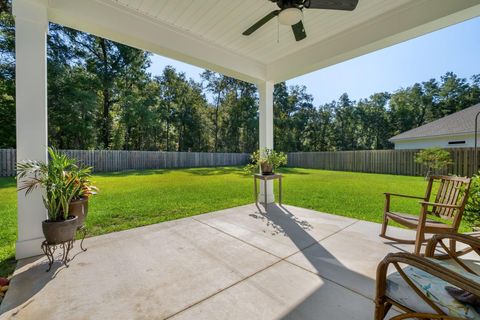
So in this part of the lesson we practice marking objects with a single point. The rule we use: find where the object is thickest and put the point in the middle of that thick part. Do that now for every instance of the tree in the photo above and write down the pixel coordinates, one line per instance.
(101, 96)
(191, 121)
(319, 131)
(292, 110)
(116, 68)
(141, 121)
(453, 94)
(375, 127)
(239, 106)
(433, 159)
(7, 75)
(215, 84)
(408, 109)
(346, 124)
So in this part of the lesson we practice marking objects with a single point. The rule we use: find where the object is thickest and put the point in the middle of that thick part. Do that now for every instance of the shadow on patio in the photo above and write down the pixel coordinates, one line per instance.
(238, 263)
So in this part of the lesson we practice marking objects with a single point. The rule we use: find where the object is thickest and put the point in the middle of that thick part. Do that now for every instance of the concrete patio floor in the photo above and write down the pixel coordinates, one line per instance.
(239, 263)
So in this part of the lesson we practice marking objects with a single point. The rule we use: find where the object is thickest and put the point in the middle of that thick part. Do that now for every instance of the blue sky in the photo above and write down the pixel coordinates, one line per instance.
(456, 49)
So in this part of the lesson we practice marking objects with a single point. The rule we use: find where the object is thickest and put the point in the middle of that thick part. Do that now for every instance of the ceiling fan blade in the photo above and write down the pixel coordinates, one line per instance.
(261, 22)
(348, 5)
(299, 31)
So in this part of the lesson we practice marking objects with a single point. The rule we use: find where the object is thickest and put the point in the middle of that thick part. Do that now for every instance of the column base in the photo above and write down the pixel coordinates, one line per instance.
(28, 248)
(270, 198)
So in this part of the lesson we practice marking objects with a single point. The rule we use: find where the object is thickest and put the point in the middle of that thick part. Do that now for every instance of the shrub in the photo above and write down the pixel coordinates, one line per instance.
(472, 209)
(433, 159)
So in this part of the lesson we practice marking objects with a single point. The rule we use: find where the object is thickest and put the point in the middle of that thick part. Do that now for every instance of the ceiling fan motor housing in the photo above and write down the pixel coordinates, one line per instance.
(285, 4)
(290, 16)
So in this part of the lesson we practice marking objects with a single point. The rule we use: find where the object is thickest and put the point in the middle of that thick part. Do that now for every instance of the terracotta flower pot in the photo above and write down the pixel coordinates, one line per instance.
(266, 168)
(79, 208)
(57, 232)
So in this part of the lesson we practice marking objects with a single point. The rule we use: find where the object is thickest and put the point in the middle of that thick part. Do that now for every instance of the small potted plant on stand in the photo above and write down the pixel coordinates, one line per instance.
(58, 179)
(267, 160)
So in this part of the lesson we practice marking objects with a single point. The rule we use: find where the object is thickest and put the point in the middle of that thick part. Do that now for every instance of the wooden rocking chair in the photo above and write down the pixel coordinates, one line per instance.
(418, 287)
(449, 204)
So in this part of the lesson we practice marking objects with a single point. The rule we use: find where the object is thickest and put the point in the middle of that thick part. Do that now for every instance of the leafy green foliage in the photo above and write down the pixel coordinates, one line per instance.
(270, 157)
(472, 210)
(433, 159)
(61, 179)
(7, 75)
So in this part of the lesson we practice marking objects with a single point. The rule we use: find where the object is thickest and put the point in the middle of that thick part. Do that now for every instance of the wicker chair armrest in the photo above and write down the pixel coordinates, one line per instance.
(453, 206)
(472, 242)
(426, 265)
(402, 195)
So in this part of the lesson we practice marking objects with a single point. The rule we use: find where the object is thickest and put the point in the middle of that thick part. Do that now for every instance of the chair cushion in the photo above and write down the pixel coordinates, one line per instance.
(433, 287)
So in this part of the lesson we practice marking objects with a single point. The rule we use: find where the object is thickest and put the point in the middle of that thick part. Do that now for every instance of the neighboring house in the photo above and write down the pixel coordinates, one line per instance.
(454, 131)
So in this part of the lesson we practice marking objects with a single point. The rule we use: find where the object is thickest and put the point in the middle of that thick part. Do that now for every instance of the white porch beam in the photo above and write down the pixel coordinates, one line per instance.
(127, 26)
(414, 19)
(265, 91)
(31, 27)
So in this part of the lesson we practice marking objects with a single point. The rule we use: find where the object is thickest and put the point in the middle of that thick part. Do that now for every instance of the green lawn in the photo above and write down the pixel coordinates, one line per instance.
(132, 199)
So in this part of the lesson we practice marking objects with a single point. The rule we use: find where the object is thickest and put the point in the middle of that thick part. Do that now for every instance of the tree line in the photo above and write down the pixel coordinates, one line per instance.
(101, 96)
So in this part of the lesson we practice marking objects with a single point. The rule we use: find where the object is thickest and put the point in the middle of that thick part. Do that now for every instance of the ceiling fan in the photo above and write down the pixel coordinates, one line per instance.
(291, 13)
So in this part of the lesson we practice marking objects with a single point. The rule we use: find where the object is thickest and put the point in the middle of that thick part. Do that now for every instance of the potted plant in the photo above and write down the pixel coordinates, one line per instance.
(58, 179)
(79, 205)
(268, 160)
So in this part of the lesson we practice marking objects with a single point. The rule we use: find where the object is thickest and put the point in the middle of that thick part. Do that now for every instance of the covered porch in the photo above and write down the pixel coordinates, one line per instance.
(207, 34)
(238, 263)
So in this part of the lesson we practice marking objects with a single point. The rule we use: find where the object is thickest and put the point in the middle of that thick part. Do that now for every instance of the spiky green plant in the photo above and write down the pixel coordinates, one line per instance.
(82, 178)
(58, 178)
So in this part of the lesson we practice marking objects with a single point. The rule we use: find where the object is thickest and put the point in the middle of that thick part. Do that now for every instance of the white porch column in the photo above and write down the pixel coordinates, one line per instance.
(265, 90)
(31, 26)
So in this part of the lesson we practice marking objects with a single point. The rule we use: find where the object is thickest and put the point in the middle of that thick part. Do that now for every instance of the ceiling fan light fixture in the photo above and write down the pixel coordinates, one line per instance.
(290, 16)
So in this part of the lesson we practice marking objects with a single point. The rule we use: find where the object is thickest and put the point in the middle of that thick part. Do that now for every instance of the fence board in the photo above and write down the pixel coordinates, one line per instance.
(116, 160)
(374, 161)
(380, 161)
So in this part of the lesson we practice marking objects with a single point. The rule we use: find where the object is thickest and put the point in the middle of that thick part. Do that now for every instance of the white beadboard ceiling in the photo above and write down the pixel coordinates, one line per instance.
(208, 33)
(222, 22)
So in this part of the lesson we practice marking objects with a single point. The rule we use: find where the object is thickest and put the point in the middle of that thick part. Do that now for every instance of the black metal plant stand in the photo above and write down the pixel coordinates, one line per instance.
(49, 250)
(66, 247)
(83, 230)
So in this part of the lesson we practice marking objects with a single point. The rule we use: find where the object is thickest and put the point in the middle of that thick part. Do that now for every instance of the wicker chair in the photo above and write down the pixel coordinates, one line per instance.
(449, 204)
(418, 289)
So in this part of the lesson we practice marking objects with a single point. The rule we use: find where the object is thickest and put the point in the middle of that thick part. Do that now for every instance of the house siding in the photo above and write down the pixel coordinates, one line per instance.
(442, 142)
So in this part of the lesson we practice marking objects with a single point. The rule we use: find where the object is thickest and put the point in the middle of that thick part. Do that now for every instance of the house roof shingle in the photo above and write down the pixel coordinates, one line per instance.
(461, 122)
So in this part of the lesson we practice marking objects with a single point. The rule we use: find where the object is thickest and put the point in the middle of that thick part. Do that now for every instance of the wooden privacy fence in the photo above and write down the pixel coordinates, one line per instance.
(380, 161)
(117, 160)
(373, 161)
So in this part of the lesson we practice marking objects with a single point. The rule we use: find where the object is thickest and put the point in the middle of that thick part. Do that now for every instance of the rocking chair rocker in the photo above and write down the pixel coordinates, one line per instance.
(449, 204)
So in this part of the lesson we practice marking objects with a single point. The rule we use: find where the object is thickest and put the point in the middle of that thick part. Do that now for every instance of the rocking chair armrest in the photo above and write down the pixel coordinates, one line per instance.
(426, 265)
(453, 206)
(472, 242)
(403, 195)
